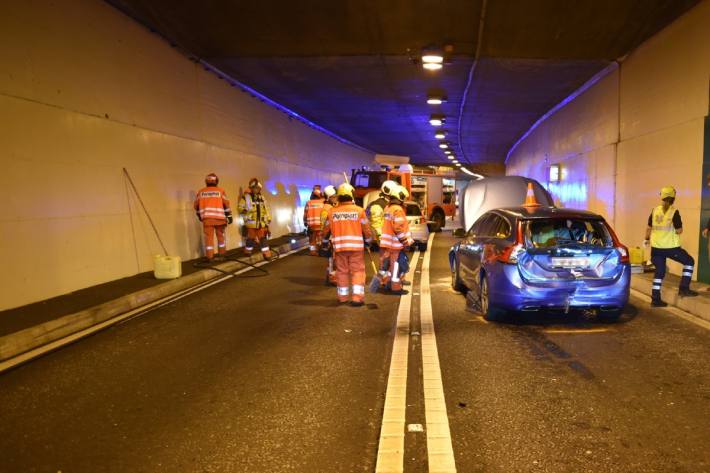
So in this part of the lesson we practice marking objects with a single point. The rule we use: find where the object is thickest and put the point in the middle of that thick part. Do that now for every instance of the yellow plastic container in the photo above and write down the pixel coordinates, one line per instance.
(636, 255)
(167, 267)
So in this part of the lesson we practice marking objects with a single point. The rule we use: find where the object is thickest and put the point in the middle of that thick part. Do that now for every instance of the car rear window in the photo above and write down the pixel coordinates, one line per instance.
(546, 233)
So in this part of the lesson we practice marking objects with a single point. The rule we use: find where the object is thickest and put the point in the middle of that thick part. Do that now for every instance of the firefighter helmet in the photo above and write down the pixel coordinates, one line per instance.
(399, 193)
(667, 192)
(329, 191)
(255, 183)
(388, 186)
(346, 189)
(211, 179)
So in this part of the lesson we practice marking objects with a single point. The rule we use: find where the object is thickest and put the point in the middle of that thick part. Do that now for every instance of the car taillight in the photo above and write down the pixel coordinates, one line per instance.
(511, 253)
(624, 252)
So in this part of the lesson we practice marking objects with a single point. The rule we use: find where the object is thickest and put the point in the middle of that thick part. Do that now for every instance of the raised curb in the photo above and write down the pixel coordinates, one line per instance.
(28, 339)
(697, 306)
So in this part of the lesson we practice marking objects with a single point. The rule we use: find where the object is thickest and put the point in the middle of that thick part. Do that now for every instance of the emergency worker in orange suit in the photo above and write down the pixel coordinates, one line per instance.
(395, 238)
(255, 212)
(212, 208)
(331, 200)
(311, 219)
(348, 229)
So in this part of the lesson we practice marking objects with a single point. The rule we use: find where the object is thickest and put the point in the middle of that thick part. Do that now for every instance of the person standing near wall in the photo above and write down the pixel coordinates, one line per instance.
(212, 209)
(395, 237)
(255, 212)
(663, 231)
(312, 221)
(331, 200)
(347, 226)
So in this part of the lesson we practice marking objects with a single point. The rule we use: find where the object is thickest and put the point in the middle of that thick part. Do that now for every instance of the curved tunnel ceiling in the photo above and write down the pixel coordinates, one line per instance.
(351, 66)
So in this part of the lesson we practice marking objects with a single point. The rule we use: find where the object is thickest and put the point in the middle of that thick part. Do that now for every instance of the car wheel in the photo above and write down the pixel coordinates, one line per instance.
(439, 217)
(490, 313)
(456, 283)
(610, 316)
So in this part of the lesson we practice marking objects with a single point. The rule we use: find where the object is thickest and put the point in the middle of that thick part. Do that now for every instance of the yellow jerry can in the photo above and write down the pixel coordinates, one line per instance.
(636, 255)
(167, 267)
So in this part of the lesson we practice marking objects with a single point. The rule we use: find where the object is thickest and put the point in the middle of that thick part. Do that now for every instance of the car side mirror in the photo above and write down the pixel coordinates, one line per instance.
(459, 233)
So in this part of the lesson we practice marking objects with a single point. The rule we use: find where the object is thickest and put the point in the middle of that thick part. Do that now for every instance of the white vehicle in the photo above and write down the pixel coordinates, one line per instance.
(418, 225)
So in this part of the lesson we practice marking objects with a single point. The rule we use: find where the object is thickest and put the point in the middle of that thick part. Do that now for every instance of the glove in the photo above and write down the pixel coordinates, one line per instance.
(199, 217)
(229, 219)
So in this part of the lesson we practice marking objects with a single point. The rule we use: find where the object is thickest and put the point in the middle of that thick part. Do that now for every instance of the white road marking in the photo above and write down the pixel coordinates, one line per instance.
(415, 428)
(39, 351)
(439, 447)
(390, 453)
(675, 311)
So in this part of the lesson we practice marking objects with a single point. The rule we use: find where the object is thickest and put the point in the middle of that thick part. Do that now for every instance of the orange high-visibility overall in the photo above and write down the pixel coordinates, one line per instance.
(212, 207)
(346, 226)
(395, 236)
(311, 218)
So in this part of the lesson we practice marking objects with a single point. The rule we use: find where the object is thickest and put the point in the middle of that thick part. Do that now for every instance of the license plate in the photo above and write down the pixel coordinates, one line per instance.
(570, 262)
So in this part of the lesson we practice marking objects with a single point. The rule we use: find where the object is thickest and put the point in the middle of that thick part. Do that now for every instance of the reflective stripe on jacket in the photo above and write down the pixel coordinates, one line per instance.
(311, 214)
(663, 234)
(395, 229)
(211, 203)
(346, 226)
(254, 210)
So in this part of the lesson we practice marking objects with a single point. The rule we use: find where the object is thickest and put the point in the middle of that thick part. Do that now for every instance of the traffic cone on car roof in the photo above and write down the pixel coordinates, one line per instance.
(530, 200)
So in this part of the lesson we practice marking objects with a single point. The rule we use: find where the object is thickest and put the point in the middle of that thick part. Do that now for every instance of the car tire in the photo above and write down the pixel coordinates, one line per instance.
(490, 313)
(440, 219)
(456, 283)
(610, 316)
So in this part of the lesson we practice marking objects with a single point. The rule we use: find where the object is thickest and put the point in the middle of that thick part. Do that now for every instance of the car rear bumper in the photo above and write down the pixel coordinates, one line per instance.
(509, 291)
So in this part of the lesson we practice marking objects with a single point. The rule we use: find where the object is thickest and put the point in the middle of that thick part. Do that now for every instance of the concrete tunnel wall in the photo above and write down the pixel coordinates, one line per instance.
(86, 91)
(638, 128)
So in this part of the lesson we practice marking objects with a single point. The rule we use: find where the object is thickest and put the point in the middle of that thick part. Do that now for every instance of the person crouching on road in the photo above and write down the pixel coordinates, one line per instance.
(664, 229)
(395, 238)
(311, 219)
(376, 209)
(331, 200)
(255, 212)
(212, 209)
(346, 226)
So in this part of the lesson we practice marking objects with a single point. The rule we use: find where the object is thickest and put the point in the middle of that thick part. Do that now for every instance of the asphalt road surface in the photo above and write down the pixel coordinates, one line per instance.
(268, 374)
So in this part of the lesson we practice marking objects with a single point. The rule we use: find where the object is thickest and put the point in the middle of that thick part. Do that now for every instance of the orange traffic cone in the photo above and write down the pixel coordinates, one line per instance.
(530, 200)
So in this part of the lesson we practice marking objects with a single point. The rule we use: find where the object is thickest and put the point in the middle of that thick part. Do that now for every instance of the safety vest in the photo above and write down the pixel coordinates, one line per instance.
(663, 234)
(376, 214)
(254, 210)
(212, 205)
(311, 213)
(395, 229)
(324, 213)
(346, 226)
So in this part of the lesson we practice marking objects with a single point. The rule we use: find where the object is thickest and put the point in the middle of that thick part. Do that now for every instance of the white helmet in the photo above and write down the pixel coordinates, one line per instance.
(329, 191)
(388, 187)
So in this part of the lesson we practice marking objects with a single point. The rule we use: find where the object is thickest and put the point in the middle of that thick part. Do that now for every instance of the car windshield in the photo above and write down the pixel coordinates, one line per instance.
(556, 232)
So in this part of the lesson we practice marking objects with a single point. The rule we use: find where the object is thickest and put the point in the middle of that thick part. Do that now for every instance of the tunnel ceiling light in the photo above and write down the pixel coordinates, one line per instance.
(440, 135)
(451, 157)
(443, 145)
(448, 151)
(432, 58)
(437, 120)
(455, 161)
(458, 165)
(432, 66)
(436, 98)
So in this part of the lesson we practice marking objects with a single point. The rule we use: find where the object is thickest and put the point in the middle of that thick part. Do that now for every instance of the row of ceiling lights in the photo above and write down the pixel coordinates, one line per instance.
(433, 60)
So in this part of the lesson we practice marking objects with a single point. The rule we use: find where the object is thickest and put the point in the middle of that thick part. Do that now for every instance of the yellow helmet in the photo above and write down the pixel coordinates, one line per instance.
(667, 191)
(346, 189)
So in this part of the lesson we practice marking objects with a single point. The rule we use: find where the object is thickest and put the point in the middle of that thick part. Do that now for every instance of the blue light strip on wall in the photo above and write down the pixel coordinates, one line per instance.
(586, 86)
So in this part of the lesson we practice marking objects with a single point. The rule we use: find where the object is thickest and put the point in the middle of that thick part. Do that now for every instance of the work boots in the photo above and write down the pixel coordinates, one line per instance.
(658, 303)
(686, 292)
